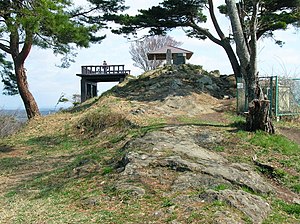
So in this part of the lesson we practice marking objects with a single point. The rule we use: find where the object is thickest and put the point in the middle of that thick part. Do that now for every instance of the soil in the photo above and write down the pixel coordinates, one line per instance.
(291, 133)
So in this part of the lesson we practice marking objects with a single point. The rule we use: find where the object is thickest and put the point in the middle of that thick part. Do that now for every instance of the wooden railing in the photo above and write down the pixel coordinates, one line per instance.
(103, 70)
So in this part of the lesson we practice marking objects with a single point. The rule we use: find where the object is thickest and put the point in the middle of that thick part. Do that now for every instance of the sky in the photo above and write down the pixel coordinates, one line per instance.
(47, 82)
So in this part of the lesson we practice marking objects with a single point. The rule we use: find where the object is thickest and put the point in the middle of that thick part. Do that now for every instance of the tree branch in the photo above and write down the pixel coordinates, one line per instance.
(241, 43)
(5, 48)
(4, 40)
(27, 46)
(83, 13)
(205, 32)
(214, 20)
(253, 40)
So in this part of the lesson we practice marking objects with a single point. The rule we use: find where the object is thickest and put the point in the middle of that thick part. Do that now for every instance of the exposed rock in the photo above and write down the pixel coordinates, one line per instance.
(226, 217)
(205, 80)
(89, 202)
(176, 163)
(184, 141)
(208, 137)
(134, 191)
(196, 181)
(239, 174)
(253, 206)
(138, 111)
(213, 87)
(176, 158)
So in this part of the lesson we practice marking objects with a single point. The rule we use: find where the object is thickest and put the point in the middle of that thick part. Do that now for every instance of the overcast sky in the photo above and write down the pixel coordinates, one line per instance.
(47, 82)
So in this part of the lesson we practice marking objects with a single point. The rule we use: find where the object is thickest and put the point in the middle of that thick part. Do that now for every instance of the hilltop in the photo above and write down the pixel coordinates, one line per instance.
(164, 147)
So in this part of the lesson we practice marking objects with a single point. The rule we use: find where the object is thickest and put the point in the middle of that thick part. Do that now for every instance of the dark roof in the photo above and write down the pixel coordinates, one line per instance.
(161, 54)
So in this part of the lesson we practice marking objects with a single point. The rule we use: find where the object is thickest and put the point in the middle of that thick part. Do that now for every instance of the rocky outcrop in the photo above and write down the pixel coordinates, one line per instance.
(185, 79)
(252, 205)
(175, 158)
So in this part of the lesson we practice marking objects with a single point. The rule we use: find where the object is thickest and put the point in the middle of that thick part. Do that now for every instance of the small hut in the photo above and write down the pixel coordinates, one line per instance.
(170, 53)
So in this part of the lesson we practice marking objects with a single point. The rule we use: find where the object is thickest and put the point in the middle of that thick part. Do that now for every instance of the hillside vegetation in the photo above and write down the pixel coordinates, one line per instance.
(161, 148)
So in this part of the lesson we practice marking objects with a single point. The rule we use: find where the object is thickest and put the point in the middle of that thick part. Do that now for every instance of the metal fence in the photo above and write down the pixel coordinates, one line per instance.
(283, 93)
(287, 96)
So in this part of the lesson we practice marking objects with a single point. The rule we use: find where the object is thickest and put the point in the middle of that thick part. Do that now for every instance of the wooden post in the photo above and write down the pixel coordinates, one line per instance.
(94, 89)
(83, 90)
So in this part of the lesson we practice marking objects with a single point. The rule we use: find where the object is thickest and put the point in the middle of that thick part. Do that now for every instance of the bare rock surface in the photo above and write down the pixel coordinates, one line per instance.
(252, 205)
(176, 158)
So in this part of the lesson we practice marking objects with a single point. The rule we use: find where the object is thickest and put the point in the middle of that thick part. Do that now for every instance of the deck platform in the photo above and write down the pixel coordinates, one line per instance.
(92, 74)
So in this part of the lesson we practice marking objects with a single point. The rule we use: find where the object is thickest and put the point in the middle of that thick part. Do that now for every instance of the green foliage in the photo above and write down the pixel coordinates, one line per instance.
(219, 148)
(278, 149)
(296, 188)
(292, 209)
(273, 15)
(167, 203)
(168, 15)
(9, 78)
(107, 170)
(275, 142)
(221, 187)
(58, 25)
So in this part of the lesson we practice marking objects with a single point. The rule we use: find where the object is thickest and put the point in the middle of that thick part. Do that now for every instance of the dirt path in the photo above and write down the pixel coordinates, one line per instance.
(291, 133)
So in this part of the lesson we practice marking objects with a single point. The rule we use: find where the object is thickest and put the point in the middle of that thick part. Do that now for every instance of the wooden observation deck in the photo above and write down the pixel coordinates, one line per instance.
(92, 74)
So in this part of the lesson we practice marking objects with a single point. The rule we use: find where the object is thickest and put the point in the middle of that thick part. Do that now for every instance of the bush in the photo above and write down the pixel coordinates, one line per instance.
(9, 125)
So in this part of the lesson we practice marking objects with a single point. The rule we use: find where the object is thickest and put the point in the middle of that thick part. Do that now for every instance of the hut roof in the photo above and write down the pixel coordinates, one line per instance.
(161, 54)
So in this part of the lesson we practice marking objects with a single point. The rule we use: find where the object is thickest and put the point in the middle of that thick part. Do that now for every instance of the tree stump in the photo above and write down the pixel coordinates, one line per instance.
(258, 116)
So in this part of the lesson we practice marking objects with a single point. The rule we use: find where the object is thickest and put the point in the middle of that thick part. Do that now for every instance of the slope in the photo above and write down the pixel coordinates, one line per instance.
(161, 148)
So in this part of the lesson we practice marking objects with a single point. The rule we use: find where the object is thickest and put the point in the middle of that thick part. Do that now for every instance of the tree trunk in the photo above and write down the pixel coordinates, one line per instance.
(251, 85)
(31, 107)
(19, 58)
(258, 116)
(232, 59)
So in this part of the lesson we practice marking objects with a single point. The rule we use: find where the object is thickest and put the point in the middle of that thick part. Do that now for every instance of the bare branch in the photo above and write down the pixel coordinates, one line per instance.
(139, 50)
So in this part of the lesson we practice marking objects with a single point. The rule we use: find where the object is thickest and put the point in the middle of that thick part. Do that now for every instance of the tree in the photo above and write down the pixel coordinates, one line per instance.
(250, 20)
(8, 77)
(139, 50)
(57, 25)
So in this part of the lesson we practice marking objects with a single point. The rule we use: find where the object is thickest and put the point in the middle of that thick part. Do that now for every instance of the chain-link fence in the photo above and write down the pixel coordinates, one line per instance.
(287, 96)
(283, 93)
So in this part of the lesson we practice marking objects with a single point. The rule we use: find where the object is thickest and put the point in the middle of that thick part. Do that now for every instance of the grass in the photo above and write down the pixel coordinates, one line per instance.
(69, 161)
(279, 152)
(283, 213)
(276, 143)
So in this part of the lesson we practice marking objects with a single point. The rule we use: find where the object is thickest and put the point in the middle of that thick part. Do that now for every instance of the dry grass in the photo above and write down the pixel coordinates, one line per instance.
(60, 169)
(9, 125)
